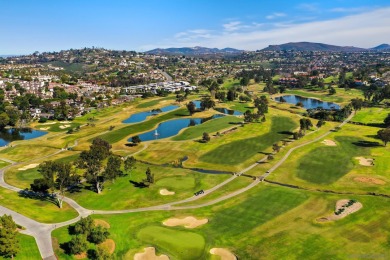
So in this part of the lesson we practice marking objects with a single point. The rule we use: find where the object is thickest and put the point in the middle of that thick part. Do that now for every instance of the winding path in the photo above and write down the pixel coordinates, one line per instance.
(42, 232)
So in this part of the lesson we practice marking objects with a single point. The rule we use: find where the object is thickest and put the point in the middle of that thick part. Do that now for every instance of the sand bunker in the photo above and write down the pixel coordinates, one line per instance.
(64, 126)
(369, 180)
(365, 161)
(150, 254)
(44, 128)
(342, 204)
(108, 245)
(100, 222)
(27, 167)
(65, 122)
(329, 143)
(49, 123)
(223, 253)
(166, 192)
(187, 222)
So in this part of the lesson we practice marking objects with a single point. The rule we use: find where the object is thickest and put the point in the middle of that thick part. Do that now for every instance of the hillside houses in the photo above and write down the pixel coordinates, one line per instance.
(168, 86)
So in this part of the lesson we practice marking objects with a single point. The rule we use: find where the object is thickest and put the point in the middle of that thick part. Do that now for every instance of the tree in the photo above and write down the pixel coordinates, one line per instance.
(136, 140)
(84, 226)
(191, 107)
(78, 244)
(207, 103)
(205, 137)
(100, 253)
(98, 235)
(276, 147)
(357, 103)
(9, 243)
(56, 176)
(220, 95)
(262, 105)
(384, 135)
(320, 123)
(91, 161)
(129, 164)
(387, 120)
(244, 81)
(149, 177)
(4, 120)
(332, 91)
(113, 168)
(231, 95)
(305, 123)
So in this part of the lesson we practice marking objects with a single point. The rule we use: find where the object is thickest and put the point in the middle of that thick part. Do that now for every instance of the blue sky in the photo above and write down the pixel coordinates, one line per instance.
(51, 25)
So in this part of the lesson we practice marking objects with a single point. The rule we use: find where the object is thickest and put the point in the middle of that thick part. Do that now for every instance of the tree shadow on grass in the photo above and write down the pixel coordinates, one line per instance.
(285, 133)
(265, 153)
(37, 196)
(138, 184)
(66, 247)
(366, 144)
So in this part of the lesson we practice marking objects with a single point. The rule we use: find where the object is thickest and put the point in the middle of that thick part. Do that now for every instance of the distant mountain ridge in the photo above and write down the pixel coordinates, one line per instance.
(311, 46)
(193, 51)
(382, 47)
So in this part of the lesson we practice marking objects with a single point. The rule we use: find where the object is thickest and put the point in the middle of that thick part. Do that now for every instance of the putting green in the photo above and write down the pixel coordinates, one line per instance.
(176, 243)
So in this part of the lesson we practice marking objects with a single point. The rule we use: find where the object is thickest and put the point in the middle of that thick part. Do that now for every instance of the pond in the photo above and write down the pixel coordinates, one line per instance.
(308, 103)
(139, 117)
(14, 134)
(173, 127)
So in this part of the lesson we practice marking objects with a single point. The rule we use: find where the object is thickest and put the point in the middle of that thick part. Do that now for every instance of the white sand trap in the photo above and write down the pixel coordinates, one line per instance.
(149, 254)
(64, 126)
(223, 253)
(369, 180)
(44, 128)
(65, 122)
(365, 161)
(49, 123)
(166, 192)
(187, 222)
(347, 210)
(329, 143)
(27, 167)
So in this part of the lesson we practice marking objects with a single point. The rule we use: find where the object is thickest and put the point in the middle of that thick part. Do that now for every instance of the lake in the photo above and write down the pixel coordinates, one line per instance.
(10, 135)
(308, 103)
(173, 127)
(139, 117)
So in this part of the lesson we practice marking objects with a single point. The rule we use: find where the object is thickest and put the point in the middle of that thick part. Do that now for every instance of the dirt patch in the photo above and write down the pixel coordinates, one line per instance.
(223, 253)
(166, 192)
(149, 254)
(369, 180)
(64, 126)
(100, 222)
(108, 245)
(343, 208)
(82, 255)
(44, 128)
(187, 222)
(329, 143)
(365, 161)
(27, 167)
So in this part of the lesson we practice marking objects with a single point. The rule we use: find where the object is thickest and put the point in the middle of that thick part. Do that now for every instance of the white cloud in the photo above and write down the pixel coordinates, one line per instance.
(361, 30)
(312, 7)
(275, 15)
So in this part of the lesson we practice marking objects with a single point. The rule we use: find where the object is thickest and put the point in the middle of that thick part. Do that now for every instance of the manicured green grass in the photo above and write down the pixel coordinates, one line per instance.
(39, 210)
(211, 126)
(175, 242)
(371, 115)
(229, 83)
(154, 102)
(238, 151)
(3, 164)
(123, 194)
(28, 248)
(325, 165)
(119, 134)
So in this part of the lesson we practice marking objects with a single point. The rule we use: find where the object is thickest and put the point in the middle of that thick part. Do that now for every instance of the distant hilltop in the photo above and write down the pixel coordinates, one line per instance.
(193, 51)
(312, 46)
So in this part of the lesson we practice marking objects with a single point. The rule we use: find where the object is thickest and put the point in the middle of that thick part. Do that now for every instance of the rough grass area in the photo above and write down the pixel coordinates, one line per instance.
(372, 115)
(238, 151)
(325, 165)
(152, 103)
(211, 126)
(175, 242)
(39, 210)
